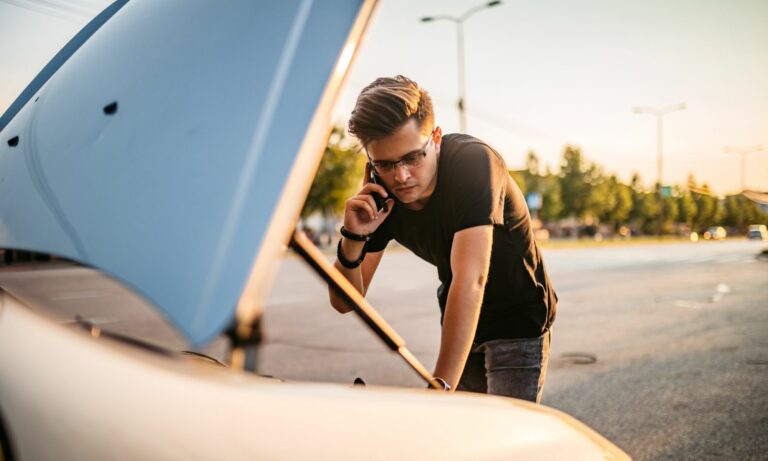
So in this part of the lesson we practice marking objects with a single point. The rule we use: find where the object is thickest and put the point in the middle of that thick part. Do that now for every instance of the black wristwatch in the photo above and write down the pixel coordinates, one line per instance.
(346, 262)
(442, 382)
(352, 236)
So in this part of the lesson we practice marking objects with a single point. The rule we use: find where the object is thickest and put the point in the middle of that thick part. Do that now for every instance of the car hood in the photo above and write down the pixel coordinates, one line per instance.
(171, 144)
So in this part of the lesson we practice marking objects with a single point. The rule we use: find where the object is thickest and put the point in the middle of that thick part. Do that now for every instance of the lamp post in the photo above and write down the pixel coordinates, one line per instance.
(460, 51)
(660, 113)
(743, 151)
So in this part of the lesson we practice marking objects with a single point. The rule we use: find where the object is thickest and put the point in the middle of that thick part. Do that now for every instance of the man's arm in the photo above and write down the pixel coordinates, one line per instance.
(470, 260)
(361, 217)
(360, 276)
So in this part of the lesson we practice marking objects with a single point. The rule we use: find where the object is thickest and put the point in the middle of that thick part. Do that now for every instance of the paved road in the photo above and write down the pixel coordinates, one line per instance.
(678, 334)
(662, 348)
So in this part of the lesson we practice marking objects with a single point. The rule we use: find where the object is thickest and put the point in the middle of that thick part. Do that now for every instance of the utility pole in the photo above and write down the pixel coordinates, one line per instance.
(460, 52)
(659, 113)
(743, 151)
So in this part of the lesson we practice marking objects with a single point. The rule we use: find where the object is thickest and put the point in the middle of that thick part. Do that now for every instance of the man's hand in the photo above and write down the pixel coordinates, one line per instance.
(360, 213)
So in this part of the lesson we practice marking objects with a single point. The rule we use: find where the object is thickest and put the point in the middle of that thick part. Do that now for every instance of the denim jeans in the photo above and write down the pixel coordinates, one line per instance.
(509, 367)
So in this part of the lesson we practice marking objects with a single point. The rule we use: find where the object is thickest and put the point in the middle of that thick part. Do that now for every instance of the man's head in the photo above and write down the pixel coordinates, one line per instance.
(393, 119)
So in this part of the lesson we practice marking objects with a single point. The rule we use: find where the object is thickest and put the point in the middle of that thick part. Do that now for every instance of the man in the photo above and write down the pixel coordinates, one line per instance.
(451, 201)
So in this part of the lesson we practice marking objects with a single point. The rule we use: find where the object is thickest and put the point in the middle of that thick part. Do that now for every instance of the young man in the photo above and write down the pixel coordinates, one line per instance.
(451, 201)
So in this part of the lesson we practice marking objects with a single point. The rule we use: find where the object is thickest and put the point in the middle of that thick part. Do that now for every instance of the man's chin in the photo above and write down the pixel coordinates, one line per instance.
(409, 195)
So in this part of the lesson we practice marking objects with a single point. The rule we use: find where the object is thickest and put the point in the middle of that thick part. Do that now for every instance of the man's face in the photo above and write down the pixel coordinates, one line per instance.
(412, 185)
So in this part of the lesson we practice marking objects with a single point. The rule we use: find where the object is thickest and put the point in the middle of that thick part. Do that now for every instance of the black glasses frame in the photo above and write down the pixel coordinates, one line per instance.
(384, 167)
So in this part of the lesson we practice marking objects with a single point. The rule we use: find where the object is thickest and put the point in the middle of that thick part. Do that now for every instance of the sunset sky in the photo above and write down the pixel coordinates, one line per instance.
(539, 75)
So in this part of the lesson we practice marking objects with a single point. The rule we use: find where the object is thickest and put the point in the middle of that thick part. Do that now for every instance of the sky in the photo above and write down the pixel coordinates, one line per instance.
(540, 75)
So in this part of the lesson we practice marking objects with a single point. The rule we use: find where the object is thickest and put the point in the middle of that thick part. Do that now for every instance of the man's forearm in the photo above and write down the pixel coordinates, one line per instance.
(462, 311)
(352, 251)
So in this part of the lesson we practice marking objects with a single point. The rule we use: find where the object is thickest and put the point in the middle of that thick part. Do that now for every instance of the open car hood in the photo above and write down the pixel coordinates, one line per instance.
(171, 144)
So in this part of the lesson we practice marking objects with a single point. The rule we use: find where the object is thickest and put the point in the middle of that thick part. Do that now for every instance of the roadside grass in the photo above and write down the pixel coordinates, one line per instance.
(587, 242)
(584, 242)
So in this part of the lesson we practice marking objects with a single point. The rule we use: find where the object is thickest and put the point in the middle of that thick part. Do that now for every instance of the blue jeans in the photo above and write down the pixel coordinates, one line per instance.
(509, 367)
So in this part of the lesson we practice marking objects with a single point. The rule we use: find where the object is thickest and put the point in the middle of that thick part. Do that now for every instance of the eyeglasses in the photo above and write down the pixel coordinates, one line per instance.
(411, 160)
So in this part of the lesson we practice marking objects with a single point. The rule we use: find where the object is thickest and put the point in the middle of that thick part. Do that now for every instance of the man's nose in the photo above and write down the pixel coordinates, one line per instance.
(402, 173)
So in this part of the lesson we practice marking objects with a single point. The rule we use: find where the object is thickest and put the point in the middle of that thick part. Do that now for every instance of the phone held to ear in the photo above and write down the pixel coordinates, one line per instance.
(381, 203)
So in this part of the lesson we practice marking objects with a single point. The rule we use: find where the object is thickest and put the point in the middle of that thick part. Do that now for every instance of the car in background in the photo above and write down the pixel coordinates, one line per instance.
(757, 232)
(715, 233)
(162, 157)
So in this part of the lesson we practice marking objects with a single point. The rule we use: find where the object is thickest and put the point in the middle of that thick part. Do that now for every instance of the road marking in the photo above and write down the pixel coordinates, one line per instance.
(687, 304)
(723, 288)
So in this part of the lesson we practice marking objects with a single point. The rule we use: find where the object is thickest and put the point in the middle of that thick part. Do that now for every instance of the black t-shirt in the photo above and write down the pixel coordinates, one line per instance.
(474, 188)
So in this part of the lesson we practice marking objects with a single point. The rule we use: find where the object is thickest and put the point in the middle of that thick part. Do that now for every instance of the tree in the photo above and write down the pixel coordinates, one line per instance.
(618, 202)
(687, 207)
(337, 177)
(671, 213)
(645, 207)
(739, 212)
(573, 183)
(531, 175)
(551, 196)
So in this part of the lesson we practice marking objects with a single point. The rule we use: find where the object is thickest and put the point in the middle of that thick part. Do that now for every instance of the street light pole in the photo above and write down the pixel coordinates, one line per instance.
(460, 53)
(743, 152)
(659, 113)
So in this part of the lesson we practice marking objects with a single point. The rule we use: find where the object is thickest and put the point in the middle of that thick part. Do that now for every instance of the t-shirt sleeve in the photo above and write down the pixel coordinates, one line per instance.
(379, 239)
(476, 186)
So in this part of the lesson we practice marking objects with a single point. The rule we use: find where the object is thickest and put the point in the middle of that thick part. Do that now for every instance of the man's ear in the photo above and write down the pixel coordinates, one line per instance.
(437, 137)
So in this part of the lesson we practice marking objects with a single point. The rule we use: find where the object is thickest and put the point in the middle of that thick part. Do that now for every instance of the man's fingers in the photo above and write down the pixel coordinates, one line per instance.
(373, 187)
(365, 204)
(388, 205)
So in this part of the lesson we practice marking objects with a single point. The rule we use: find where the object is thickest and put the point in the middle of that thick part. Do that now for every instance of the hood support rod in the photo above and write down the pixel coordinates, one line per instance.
(347, 292)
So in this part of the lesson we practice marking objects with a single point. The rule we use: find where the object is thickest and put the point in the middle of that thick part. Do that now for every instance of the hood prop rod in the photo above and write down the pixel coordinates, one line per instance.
(347, 292)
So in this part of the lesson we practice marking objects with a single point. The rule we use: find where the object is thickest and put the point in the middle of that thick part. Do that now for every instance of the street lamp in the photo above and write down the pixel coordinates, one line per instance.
(659, 113)
(460, 50)
(743, 151)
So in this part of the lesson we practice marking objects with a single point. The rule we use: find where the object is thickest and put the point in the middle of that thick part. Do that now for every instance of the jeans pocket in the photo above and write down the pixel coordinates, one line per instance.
(513, 354)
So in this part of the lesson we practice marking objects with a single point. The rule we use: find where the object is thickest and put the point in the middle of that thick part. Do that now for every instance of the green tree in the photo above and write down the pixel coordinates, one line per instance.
(337, 178)
(551, 196)
(531, 174)
(574, 183)
(671, 214)
(739, 212)
(617, 202)
(687, 207)
(645, 207)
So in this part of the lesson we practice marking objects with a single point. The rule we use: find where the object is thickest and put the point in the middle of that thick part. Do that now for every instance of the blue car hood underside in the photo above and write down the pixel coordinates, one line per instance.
(157, 145)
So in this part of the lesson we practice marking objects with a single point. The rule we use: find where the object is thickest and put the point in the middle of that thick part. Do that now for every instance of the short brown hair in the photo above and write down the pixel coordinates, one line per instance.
(387, 104)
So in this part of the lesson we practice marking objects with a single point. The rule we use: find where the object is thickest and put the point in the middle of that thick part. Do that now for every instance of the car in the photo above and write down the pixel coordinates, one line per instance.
(757, 232)
(158, 165)
(715, 233)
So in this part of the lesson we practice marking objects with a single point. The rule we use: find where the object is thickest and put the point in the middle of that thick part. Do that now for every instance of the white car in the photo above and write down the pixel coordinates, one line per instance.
(170, 146)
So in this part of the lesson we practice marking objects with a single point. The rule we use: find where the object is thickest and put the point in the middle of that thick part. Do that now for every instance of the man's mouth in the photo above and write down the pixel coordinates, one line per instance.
(405, 189)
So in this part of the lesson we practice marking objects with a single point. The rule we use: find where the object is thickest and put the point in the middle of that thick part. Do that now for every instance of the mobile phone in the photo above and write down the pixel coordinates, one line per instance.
(381, 204)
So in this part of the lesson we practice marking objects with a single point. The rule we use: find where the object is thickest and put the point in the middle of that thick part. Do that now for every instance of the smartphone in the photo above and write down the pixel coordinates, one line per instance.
(381, 203)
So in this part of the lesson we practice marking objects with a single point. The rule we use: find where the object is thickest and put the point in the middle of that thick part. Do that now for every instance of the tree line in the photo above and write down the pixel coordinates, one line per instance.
(578, 193)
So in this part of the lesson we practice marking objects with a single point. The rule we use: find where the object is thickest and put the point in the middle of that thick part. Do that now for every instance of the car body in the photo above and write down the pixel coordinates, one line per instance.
(757, 232)
(162, 159)
(715, 233)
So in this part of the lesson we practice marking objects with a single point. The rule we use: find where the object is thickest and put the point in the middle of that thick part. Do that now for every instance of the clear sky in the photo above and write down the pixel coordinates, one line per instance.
(539, 75)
